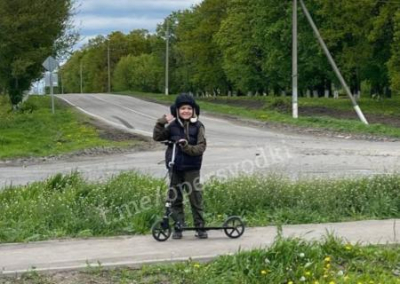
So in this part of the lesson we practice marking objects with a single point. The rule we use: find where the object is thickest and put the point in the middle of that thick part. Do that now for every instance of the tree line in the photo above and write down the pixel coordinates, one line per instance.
(244, 47)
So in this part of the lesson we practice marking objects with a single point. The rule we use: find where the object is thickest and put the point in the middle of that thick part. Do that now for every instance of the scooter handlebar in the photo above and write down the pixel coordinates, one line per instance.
(173, 142)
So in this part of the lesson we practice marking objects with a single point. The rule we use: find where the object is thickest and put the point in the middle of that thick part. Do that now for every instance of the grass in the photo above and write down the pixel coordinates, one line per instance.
(35, 131)
(384, 106)
(267, 111)
(287, 261)
(68, 206)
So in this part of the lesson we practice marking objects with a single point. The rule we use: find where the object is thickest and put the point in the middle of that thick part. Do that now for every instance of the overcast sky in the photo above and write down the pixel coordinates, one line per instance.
(100, 17)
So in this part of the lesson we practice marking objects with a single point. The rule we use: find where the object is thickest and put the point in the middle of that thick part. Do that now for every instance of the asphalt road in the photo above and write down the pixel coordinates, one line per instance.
(232, 148)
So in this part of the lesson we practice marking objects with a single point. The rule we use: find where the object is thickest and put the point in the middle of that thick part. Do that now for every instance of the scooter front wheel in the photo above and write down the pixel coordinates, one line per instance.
(161, 231)
(234, 227)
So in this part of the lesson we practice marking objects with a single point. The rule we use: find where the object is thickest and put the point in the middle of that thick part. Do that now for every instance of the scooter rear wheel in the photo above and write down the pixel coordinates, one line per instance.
(161, 231)
(234, 227)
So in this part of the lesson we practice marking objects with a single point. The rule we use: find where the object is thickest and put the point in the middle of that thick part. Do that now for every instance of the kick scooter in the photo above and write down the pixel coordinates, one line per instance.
(161, 230)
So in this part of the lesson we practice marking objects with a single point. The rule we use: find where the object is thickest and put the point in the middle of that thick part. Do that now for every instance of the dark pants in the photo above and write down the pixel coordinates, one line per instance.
(190, 182)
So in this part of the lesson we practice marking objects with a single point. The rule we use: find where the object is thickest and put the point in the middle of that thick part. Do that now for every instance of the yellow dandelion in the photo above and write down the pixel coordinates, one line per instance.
(348, 247)
(290, 282)
(325, 276)
(316, 282)
(263, 272)
(328, 265)
(196, 265)
(332, 282)
(307, 273)
(327, 259)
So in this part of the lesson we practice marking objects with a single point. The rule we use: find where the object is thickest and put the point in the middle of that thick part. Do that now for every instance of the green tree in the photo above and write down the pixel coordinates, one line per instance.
(70, 73)
(200, 54)
(256, 42)
(29, 32)
(394, 62)
(242, 57)
(381, 37)
(94, 58)
(140, 73)
(345, 28)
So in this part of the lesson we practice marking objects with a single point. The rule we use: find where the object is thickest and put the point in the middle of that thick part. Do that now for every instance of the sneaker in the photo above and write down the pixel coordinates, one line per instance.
(201, 234)
(177, 235)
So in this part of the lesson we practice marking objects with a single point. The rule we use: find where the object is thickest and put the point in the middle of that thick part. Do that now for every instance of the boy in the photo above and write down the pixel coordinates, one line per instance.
(183, 126)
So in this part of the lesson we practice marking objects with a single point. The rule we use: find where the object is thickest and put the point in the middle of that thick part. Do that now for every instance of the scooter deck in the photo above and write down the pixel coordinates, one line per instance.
(205, 228)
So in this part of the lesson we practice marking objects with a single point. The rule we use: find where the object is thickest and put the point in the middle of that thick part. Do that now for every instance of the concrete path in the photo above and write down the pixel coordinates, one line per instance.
(135, 251)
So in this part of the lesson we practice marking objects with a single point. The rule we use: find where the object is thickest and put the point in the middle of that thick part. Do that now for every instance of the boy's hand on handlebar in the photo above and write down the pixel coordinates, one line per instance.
(182, 142)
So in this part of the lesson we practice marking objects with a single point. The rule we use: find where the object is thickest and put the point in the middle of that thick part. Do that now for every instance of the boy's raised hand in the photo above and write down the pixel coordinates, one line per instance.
(169, 118)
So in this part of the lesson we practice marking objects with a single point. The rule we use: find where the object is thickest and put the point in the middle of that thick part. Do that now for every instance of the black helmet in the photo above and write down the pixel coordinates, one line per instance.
(184, 99)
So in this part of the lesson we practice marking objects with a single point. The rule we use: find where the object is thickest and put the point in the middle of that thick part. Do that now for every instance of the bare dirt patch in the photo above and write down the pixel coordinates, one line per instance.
(310, 111)
(300, 130)
(344, 114)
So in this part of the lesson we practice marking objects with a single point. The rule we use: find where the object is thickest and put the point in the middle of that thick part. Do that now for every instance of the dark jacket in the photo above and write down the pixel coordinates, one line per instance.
(188, 157)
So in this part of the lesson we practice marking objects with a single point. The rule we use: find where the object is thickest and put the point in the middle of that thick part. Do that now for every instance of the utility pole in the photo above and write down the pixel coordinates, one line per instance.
(167, 58)
(294, 62)
(61, 81)
(52, 92)
(80, 71)
(332, 62)
(108, 64)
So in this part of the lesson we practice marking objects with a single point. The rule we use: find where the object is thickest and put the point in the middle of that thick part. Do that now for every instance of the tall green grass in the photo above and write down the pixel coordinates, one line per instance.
(278, 199)
(288, 261)
(68, 206)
